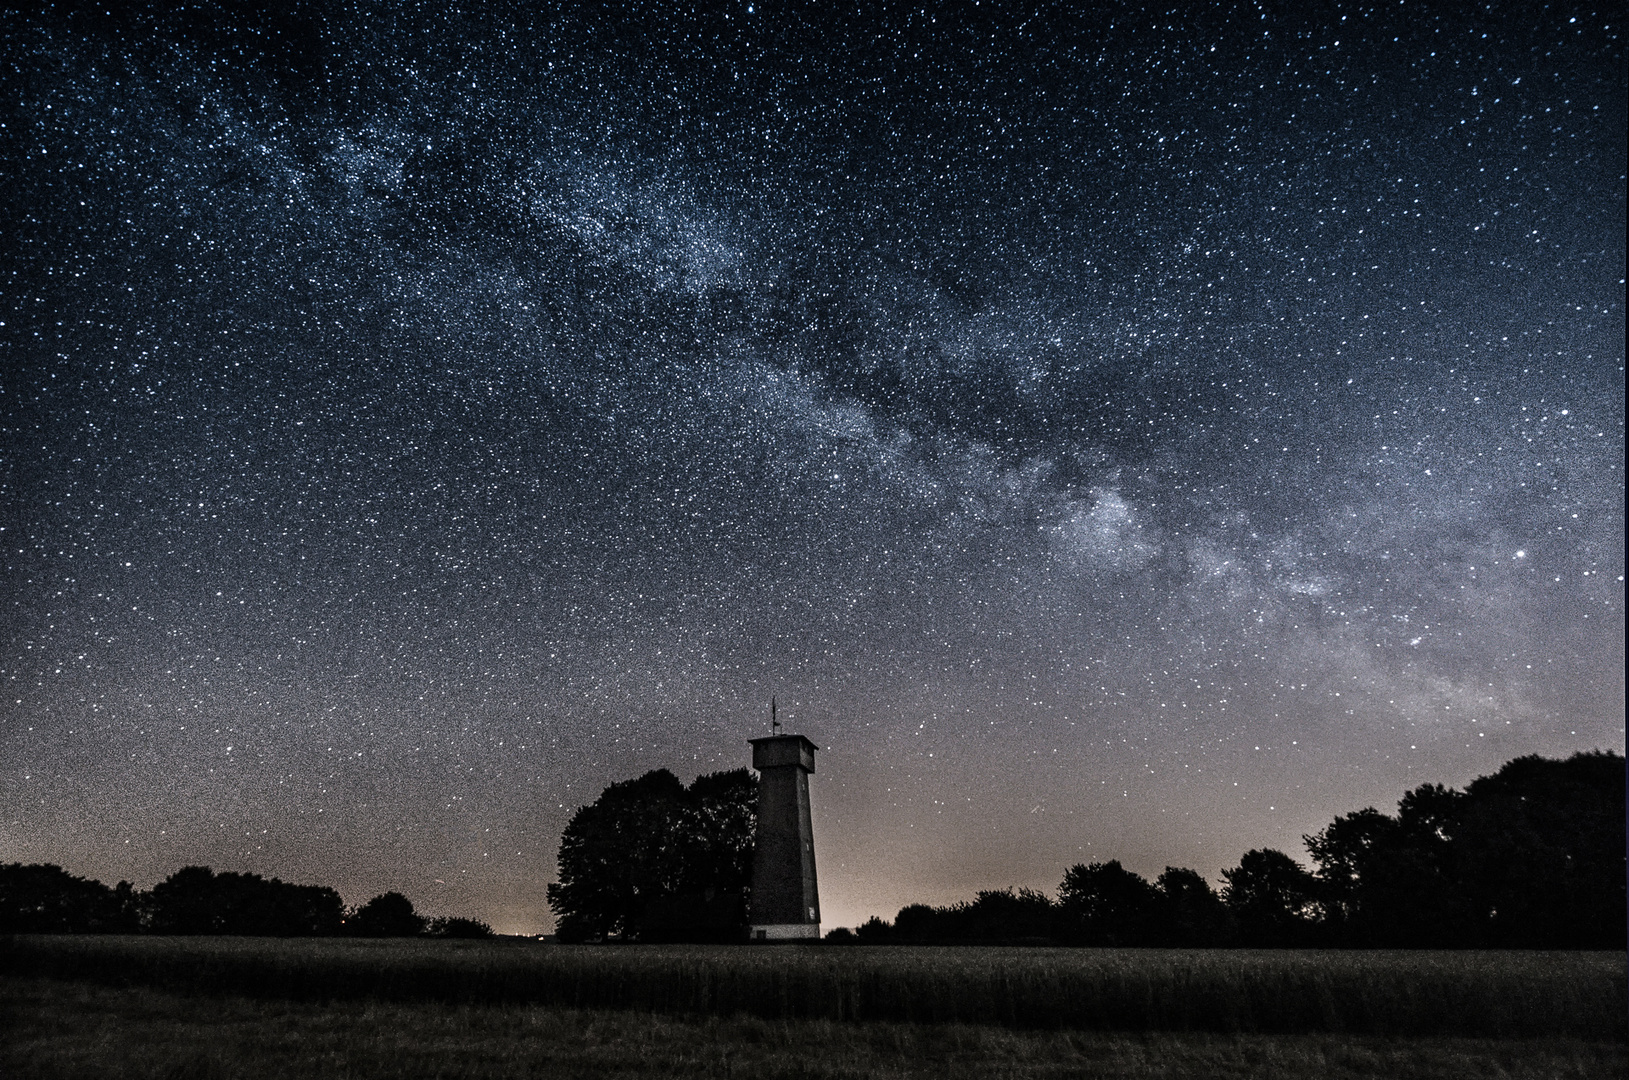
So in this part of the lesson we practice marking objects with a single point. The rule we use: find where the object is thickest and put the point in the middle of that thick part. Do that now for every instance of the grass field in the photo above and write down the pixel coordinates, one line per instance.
(1436, 994)
(53, 1030)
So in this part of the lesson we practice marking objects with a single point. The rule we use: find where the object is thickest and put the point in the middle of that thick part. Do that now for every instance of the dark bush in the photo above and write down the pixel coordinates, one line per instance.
(387, 915)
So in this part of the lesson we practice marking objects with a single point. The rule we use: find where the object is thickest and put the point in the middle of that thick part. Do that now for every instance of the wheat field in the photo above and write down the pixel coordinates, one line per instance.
(1469, 994)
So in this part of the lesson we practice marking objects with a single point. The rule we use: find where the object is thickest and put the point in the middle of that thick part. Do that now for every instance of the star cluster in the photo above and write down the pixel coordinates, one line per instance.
(1136, 435)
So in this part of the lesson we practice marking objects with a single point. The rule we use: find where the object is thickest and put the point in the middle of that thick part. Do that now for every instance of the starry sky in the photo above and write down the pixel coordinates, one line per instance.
(1140, 433)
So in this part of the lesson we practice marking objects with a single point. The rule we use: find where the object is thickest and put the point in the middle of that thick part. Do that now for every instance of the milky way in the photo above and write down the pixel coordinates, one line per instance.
(1137, 436)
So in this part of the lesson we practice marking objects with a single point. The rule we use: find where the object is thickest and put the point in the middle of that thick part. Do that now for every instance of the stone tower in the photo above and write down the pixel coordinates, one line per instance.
(785, 900)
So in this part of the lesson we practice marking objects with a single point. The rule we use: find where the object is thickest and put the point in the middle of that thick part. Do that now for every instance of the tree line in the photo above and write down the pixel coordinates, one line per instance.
(1532, 856)
(46, 899)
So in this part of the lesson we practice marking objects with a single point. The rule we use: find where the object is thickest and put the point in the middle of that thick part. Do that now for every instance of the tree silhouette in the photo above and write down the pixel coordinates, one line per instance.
(1100, 904)
(387, 915)
(196, 900)
(1002, 915)
(46, 899)
(719, 830)
(714, 838)
(1106, 904)
(186, 903)
(1539, 850)
(874, 931)
(456, 927)
(993, 916)
(651, 860)
(1273, 899)
(1191, 914)
(1532, 856)
(1390, 881)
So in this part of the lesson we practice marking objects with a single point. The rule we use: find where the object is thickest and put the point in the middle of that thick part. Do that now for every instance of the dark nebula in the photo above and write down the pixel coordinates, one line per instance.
(1139, 434)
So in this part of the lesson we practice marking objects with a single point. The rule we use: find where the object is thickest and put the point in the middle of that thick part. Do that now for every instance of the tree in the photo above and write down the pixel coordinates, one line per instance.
(1106, 904)
(650, 860)
(387, 915)
(719, 830)
(1532, 856)
(874, 931)
(1191, 915)
(1539, 847)
(185, 903)
(715, 840)
(196, 900)
(1273, 899)
(993, 916)
(1002, 915)
(616, 854)
(46, 899)
(1387, 882)
(918, 924)
(1349, 854)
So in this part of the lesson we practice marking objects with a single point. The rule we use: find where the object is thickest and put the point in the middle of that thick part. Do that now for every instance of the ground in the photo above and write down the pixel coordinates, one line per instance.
(51, 1029)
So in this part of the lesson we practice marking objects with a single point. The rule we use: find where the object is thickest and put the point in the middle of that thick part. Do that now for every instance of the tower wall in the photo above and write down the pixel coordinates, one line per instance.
(785, 896)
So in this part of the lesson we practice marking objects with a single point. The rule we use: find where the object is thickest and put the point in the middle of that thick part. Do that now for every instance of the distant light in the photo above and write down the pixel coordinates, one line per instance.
(1521, 554)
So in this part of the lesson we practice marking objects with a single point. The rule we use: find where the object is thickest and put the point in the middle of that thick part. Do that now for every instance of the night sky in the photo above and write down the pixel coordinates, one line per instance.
(1139, 435)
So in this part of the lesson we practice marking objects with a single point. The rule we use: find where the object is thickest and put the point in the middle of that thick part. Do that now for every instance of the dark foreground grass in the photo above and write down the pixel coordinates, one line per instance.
(1468, 994)
(51, 1029)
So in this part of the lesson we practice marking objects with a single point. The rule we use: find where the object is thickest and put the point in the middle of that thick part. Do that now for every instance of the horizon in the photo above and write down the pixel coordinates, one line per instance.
(1216, 882)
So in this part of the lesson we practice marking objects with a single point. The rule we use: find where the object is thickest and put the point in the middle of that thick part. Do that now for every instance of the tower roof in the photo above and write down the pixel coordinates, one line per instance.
(772, 751)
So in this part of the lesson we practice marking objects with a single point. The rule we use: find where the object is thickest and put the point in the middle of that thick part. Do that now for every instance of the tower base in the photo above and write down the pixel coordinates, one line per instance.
(785, 932)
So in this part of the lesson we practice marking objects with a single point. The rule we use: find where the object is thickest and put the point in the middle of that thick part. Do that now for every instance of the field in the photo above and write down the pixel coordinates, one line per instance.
(205, 1007)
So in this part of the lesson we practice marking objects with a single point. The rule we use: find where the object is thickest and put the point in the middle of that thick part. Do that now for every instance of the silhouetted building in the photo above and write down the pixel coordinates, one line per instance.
(785, 899)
